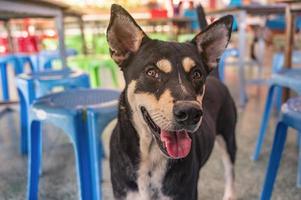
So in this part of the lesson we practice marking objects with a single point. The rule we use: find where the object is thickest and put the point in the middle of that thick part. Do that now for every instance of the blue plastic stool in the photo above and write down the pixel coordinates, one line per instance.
(288, 78)
(83, 115)
(37, 84)
(290, 117)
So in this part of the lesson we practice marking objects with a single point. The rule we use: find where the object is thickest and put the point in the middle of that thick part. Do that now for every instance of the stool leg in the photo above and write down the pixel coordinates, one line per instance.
(5, 88)
(264, 123)
(299, 161)
(87, 162)
(34, 160)
(277, 149)
(24, 124)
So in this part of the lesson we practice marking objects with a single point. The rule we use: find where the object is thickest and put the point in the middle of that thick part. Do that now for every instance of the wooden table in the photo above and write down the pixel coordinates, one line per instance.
(291, 8)
(103, 20)
(40, 9)
(241, 13)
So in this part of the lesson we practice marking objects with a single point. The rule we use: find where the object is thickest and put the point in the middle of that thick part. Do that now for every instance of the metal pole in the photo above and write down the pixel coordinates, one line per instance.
(241, 47)
(59, 19)
(82, 32)
(9, 36)
(289, 37)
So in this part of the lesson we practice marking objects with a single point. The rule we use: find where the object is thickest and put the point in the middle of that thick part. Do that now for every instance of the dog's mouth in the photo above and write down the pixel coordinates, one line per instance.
(173, 144)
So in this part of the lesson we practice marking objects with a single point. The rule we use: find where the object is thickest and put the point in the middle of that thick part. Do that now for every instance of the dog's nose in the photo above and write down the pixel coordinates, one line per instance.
(187, 113)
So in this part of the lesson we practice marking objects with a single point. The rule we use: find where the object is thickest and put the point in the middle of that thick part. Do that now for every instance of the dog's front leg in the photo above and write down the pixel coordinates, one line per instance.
(229, 193)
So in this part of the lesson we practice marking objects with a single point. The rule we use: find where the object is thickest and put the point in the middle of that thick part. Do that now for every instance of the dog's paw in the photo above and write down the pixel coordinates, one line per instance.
(230, 196)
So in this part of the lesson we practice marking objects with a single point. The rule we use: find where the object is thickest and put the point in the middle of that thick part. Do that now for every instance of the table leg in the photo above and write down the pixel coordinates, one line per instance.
(9, 36)
(289, 37)
(82, 33)
(60, 30)
(241, 46)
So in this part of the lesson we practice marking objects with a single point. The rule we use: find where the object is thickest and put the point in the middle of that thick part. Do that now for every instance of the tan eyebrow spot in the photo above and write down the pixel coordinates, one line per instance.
(188, 64)
(164, 65)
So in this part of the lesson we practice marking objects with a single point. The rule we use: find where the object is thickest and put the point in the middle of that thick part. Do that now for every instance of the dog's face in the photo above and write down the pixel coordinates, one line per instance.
(165, 81)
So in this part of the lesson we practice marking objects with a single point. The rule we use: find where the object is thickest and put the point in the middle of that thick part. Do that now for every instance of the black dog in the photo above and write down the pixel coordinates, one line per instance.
(169, 112)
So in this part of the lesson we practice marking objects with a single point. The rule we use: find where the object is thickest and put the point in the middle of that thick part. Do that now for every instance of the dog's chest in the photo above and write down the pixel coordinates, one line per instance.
(151, 173)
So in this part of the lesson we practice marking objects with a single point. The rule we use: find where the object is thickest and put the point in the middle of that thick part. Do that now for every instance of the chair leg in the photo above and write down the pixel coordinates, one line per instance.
(19, 66)
(24, 124)
(114, 76)
(4, 81)
(299, 161)
(264, 123)
(277, 149)
(34, 159)
(96, 77)
(47, 65)
(87, 162)
(278, 100)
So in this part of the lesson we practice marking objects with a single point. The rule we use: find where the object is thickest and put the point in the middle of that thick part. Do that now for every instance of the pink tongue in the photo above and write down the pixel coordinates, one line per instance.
(178, 144)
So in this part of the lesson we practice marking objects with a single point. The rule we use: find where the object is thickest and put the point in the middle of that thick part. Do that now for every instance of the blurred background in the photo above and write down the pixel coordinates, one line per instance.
(51, 46)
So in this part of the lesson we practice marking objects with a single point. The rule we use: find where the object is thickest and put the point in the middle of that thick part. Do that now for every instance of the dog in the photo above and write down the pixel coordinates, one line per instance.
(170, 111)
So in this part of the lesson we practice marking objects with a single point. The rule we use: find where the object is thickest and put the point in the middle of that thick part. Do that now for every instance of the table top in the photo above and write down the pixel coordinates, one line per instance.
(8, 12)
(288, 1)
(251, 9)
(294, 5)
(165, 20)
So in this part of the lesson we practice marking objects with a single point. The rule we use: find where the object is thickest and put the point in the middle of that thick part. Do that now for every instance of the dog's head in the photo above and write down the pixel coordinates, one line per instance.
(165, 81)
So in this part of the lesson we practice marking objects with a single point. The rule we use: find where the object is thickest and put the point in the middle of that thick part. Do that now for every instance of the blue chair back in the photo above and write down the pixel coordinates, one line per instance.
(278, 23)
(232, 4)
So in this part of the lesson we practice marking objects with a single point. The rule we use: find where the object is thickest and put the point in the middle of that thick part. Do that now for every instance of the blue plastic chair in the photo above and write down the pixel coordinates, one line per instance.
(278, 23)
(192, 15)
(290, 117)
(46, 58)
(277, 66)
(234, 3)
(288, 78)
(23, 59)
(4, 61)
(18, 61)
(230, 52)
(82, 115)
(37, 84)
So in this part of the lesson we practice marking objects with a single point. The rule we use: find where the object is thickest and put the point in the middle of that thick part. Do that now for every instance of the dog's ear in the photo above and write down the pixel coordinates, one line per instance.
(123, 34)
(213, 40)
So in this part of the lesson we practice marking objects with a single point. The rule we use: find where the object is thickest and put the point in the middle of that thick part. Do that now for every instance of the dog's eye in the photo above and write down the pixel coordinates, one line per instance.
(152, 73)
(196, 75)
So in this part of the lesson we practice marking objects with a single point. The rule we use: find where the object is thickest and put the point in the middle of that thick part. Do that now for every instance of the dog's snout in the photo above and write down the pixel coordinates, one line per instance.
(187, 113)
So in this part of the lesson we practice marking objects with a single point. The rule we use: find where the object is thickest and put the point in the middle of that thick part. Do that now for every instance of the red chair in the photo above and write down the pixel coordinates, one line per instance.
(158, 13)
(4, 47)
(28, 44)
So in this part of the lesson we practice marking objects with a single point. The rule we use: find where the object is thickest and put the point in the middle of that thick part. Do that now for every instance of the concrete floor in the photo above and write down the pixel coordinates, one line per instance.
(59, 178)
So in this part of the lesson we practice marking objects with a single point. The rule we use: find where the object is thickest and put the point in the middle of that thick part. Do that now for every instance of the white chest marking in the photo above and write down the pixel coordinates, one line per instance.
(151, 172)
